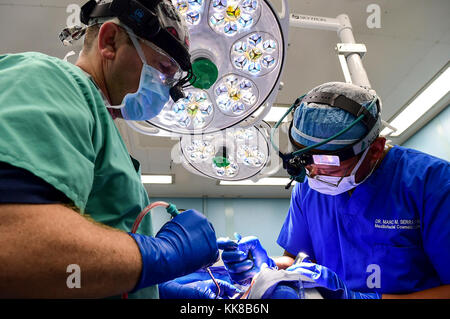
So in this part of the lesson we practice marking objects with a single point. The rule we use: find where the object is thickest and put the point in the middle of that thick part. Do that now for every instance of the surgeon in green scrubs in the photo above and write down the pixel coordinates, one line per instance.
(69, 190)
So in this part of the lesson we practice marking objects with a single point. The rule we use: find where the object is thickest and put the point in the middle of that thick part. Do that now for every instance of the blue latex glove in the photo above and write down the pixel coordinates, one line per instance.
(243, 258)
(324, 277)
(206, 289)
(183, 245)
(219, 272)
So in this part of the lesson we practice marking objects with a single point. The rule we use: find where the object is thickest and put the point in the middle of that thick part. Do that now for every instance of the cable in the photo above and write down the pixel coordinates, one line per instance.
(138, 221)
(214, 280)
(186, 78)
(144, 212)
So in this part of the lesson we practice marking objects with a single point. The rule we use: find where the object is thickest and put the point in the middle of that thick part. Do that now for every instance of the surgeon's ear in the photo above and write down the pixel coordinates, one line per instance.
(375, 153)
(109, 38)
(377, 148)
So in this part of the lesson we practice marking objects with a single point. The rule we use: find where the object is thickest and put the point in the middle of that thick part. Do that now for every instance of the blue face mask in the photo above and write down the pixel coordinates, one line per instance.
(151, 96)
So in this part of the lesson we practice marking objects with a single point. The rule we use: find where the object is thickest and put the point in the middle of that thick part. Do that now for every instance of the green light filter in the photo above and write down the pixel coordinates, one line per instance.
(206, 73)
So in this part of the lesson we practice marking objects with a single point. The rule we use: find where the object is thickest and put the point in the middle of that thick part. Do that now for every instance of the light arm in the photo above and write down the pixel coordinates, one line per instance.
(342, 26)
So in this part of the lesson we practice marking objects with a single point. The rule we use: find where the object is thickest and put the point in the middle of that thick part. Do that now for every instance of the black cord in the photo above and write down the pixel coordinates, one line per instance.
(188, 85)
(185, 79)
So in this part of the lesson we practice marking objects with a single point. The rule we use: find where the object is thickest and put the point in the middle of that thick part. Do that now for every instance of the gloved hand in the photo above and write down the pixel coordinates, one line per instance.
(283, 291)
(183, 245)
(219, 272)
(206, 289)
(324, 277)
(243, 258)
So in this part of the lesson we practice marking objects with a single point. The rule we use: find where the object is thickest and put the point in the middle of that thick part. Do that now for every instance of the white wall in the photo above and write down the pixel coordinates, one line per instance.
(433, 138)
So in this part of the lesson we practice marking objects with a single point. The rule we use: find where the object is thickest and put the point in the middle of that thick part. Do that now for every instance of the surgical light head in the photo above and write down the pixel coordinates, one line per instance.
(332, 123)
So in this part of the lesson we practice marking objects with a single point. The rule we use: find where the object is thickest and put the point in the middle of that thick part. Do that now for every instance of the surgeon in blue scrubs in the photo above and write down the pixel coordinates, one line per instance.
(374, 225)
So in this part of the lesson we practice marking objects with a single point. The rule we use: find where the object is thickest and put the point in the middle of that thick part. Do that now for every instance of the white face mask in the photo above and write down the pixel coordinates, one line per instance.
(327, 184)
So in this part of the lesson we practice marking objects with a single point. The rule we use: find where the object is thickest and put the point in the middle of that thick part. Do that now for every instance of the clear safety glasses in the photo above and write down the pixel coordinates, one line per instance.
(335, 180)
(329, 180)
(170, 70)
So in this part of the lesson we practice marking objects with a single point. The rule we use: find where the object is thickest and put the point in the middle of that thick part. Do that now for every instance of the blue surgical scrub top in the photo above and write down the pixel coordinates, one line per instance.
(391, 236)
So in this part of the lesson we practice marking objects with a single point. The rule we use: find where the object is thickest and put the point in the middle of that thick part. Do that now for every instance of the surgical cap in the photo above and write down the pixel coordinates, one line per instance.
(314, 122)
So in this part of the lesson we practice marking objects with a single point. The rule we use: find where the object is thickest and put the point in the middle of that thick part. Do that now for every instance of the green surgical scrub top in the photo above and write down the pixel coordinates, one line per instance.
(54, 123)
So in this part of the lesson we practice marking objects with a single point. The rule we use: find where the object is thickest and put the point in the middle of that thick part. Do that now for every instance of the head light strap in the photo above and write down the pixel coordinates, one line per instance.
(346, 152)
(130, 12)
(144, 22)
(344, 103)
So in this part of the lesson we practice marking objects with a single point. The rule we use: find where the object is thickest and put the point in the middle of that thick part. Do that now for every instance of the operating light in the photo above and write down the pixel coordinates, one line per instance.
(244, 134)
(251, 155)
(191, 10)
(234, 95)
(420, 105)
(200, 150)
(193, 112)
(235, 154)
(157, 179)
(267, 181)
(256, 54)
(226, 171)
(230, 17)
(238, 49)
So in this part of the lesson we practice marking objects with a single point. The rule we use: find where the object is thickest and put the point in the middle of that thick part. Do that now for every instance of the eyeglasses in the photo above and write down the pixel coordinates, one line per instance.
(337, 179)
(170, 71)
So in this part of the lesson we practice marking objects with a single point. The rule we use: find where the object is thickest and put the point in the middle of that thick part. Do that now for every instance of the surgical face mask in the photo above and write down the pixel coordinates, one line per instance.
(152, 95)
(335, 185)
